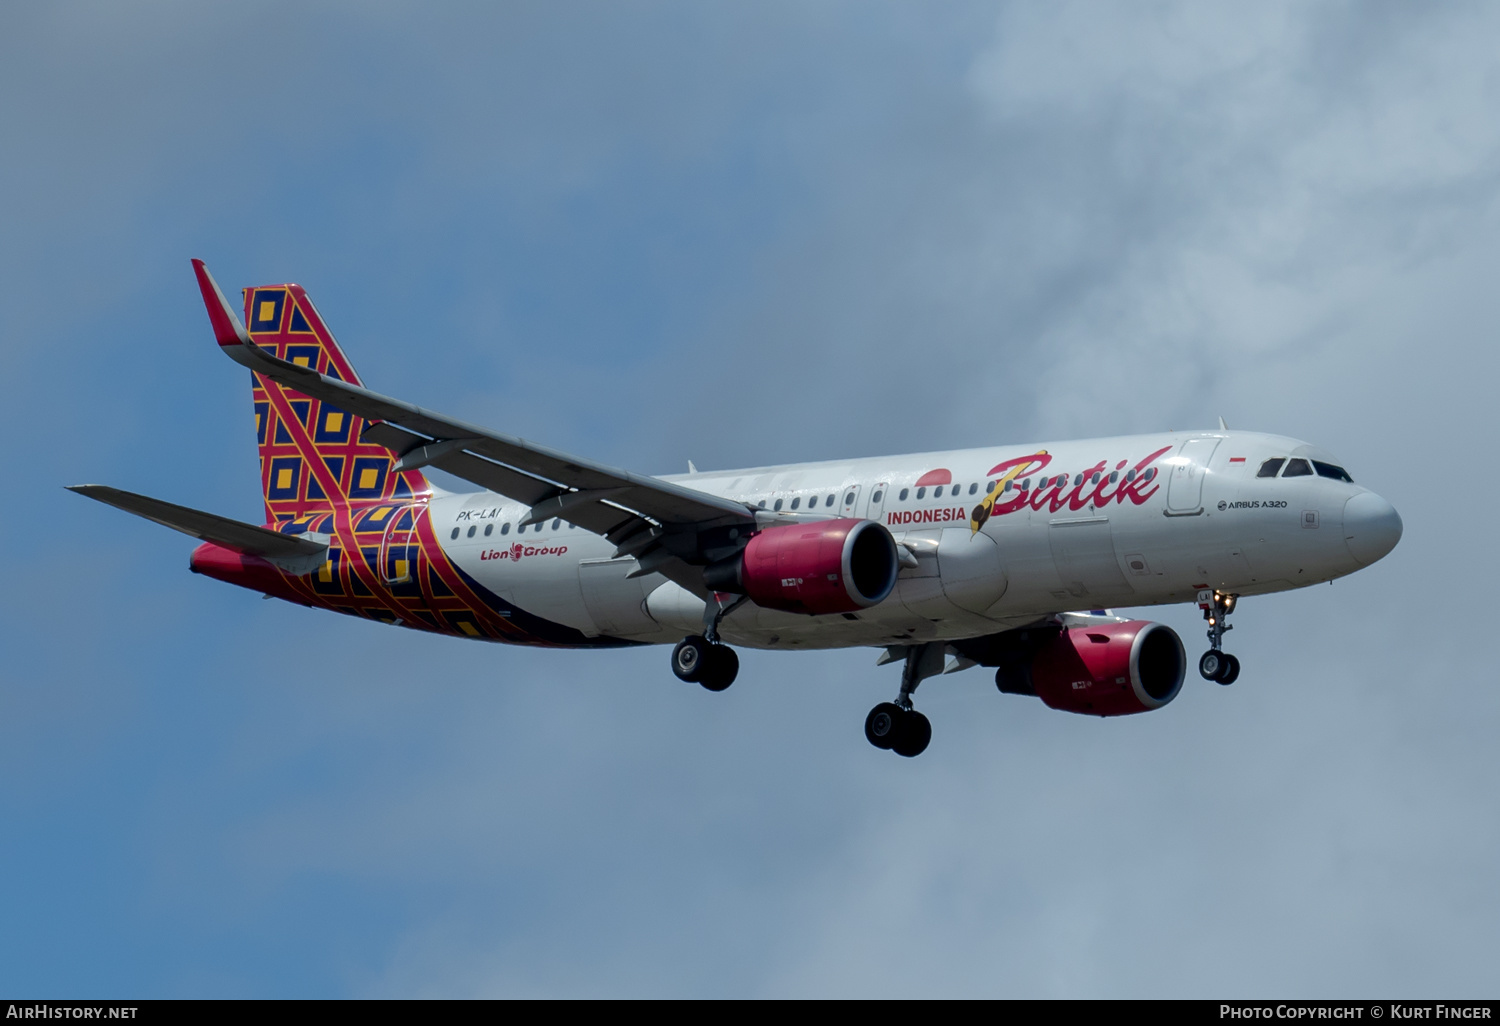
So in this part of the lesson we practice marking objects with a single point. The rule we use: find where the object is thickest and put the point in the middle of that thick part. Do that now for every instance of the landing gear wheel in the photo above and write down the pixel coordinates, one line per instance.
(915, 733)
(1219, 666)
(691, 657)
(722, 667)
(883, 725)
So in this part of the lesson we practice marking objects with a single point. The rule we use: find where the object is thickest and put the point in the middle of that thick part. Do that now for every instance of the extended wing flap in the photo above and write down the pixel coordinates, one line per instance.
(291, 552)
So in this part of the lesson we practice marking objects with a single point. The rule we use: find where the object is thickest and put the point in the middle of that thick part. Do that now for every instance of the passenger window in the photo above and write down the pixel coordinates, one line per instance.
(1296, 468)
(973, 488)
(1270, 467)
(454, 534)
(1150, 473)
(505, 528)
(903, 495)
(922, 493)
(877, 497)
(1130, 475)
(1077, 480)
(828, 501)
(762, 504)
(557, 523)
(937, 493)
(849, 499)
(1094, 479)
(1007, 485)
(796, 502)
(471, 532)
(1331, 471)
(777, 507)
(489, 529)
(1026, 485)
(1114, 476)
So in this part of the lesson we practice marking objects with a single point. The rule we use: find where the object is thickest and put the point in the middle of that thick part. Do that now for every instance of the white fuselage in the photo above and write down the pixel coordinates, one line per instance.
(1134, 521)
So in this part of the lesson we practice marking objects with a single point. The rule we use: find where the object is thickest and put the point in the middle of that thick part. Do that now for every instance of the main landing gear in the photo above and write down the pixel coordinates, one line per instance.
(1216, 664)
(897, 726)
(700, 661)
(702, 658)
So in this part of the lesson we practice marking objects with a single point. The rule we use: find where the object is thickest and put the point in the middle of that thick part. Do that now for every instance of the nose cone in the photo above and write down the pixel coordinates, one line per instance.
(1372, 527)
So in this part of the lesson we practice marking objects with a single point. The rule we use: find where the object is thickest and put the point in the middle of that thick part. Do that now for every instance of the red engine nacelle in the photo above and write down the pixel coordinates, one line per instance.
(825, 566)
(1111, 670)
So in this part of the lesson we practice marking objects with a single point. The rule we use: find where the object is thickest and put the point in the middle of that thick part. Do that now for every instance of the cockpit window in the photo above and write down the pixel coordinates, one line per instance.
(1270, 467)
(1296, 468)
(1329, 470)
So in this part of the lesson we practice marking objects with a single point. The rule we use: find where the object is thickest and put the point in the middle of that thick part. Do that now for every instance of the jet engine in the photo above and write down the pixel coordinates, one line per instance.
(824, 566)
(1110, 669)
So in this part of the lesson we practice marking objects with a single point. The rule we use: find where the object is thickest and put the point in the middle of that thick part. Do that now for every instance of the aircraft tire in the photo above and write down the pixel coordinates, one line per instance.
(1231, 671)
(1212, 664)
(691, 658)
(914, 736)
(883, 725)
(722, 668)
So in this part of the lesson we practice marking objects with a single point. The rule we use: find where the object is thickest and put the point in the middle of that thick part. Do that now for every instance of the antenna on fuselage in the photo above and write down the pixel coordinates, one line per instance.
(1223, 426)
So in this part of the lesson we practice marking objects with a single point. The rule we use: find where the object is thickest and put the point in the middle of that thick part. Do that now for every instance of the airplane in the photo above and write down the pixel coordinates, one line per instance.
(1005, 557)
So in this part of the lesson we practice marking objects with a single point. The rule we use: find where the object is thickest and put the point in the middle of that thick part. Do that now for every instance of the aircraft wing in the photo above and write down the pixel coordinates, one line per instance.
(291, 552)
(659, 522)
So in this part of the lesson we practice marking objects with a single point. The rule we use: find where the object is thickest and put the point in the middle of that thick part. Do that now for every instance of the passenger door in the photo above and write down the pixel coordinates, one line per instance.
(1185, 486)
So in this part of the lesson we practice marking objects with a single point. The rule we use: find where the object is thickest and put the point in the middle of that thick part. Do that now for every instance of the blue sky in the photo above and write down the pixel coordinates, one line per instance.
(744, 234)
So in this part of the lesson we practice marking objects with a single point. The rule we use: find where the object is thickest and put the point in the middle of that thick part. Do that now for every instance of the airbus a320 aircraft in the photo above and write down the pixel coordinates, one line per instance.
(944, 560)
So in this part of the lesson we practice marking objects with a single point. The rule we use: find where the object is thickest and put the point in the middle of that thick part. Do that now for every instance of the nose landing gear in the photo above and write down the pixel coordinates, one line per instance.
(1216, 664)
(897, 726)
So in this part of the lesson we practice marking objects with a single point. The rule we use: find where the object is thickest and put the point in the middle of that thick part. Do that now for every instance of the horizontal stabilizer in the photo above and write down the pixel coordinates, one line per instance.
(296, 554)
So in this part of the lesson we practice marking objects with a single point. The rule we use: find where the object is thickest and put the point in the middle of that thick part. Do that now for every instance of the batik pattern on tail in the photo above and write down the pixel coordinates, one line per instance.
(311, 458)
(384, 562)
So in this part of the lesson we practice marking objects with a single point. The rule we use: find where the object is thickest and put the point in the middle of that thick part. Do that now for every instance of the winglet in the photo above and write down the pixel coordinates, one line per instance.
(228, 331)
